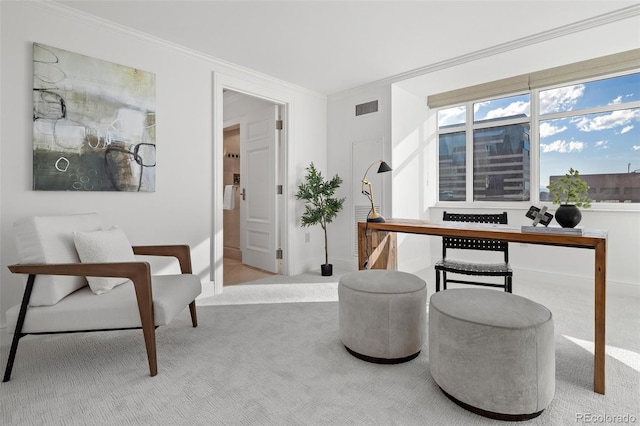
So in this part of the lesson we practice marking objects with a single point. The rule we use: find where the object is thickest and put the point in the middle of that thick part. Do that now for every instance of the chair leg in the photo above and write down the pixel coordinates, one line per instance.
(17, 333)
(145, 308)
(509, 284)
(444, 280)
(194, 315)
(437, 281)
(12, 356)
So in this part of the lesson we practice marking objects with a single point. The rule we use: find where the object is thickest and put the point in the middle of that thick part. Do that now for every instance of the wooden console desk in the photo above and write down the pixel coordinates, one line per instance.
(377, 244)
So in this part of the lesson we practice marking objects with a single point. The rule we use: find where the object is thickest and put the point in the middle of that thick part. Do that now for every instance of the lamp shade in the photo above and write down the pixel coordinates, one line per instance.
(384, 167)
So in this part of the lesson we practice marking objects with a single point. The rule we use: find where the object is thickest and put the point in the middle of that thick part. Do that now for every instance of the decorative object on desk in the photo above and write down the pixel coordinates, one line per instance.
(373, 215)
(539, 215)
(568, 215)
(321, 205)
(551, 230)
(571, 193)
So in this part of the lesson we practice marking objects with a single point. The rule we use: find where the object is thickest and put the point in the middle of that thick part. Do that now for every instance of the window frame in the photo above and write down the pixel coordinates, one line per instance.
(534, 120)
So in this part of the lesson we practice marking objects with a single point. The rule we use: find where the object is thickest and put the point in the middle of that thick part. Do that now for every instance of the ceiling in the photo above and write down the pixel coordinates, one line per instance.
(332, 46)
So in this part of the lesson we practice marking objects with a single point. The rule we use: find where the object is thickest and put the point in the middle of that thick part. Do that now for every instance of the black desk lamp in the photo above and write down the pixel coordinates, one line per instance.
(373, 215)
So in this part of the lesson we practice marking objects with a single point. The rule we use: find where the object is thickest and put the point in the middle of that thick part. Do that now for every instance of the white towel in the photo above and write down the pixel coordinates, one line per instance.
(229, 200)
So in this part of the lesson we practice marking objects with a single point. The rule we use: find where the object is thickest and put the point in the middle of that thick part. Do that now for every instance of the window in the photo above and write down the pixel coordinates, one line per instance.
(499, 136)
(592, 126)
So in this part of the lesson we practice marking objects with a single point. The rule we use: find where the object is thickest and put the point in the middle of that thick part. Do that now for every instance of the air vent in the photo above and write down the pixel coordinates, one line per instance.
(366, 108)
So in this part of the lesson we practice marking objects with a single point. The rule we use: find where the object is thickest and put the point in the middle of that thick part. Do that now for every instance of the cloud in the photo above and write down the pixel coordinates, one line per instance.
(602, 144)
(547, 129)
(514, 108)
(478, 105)
(636, 147)
(451, 116)
(616, 101)
(561, 99)
(562, 146)
(626, 129)
(607, 121)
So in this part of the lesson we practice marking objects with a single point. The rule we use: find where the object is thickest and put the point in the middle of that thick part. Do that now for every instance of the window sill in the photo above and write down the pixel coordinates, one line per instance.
(525, 205)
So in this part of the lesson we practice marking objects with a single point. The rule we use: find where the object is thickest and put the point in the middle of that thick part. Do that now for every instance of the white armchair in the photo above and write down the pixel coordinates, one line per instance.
(64, 294)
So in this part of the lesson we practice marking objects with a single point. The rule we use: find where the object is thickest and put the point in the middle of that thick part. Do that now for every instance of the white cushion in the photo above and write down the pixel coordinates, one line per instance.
(83, 310)
(49, 239)
(110, 245)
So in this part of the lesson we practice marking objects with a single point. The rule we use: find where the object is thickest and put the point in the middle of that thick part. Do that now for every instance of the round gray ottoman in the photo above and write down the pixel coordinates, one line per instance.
(382, 315)
(492, 352)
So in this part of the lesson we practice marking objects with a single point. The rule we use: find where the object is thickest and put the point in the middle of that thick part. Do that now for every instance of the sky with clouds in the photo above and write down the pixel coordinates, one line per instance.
(602, 142)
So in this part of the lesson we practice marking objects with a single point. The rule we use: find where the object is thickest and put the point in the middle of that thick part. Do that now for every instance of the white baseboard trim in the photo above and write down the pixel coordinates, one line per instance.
(579, 283)
(208, 289)
(343, 265)
(613, 287)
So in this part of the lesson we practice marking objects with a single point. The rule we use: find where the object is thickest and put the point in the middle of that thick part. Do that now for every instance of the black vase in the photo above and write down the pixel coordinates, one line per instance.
(568, 215)
(326, 269)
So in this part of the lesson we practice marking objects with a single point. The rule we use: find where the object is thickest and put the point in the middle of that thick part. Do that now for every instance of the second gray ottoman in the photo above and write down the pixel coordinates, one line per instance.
(382, 315)
(492, 352)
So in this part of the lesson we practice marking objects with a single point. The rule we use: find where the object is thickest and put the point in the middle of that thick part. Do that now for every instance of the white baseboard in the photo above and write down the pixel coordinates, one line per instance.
(344, 265)
(208, 289)
(579, 283)
(613, 287)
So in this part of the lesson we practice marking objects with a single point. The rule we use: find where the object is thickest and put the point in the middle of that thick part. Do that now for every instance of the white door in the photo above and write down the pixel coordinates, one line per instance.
(258, 170)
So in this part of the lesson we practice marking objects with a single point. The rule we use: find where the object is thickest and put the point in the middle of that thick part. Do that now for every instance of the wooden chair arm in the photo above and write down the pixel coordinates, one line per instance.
(138, 272)
(131, 270)
(182, 252)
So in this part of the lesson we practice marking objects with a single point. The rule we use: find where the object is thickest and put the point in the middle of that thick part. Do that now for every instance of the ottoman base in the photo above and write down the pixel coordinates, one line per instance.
(382, 360)
(491, 414)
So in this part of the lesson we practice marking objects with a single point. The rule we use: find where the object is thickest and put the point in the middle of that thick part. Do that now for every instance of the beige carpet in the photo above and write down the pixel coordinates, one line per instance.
(282, 363)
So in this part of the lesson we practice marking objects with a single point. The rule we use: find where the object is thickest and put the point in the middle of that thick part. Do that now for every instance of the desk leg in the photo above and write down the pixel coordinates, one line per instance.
(600, 316)
(376, 249)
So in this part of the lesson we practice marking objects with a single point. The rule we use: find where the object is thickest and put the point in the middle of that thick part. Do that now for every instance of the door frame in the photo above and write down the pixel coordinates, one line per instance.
(284, 100)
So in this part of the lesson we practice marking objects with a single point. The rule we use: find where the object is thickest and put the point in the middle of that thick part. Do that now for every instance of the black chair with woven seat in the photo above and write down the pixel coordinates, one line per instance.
(445, 265)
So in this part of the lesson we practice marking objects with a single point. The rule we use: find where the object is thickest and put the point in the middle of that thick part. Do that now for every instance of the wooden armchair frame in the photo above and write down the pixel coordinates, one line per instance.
(138, 272)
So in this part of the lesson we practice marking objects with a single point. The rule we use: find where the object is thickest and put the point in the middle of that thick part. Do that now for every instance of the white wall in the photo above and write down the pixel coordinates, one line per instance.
(186, 207)
(411, 137)
(365, 132)
(411, 196)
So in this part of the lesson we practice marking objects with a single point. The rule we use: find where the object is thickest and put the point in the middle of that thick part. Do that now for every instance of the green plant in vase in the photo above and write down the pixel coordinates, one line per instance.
(321, 205)
(571, 193)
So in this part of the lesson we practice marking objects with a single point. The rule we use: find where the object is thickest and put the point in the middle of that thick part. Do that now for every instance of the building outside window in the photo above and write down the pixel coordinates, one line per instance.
(592, 126)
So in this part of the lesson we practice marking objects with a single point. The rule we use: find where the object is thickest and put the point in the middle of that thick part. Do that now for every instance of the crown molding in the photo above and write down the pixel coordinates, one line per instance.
(576, 27)
(600, 20)
(83, 17)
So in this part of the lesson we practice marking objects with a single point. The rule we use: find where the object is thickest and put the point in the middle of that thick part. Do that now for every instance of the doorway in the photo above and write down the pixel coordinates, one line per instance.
(251, 156)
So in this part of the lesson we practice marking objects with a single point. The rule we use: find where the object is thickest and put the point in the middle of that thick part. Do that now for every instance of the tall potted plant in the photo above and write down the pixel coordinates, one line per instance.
(321, 205)
(571, 193)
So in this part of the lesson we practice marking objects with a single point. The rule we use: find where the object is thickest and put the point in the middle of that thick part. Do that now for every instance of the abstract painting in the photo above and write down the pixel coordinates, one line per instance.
(94, 124)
